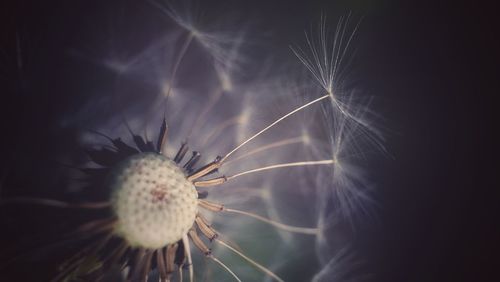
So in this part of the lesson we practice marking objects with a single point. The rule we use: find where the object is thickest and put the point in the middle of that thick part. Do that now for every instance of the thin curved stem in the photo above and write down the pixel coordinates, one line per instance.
(54, 203)
(273, 124)
(187, 247)
(177, 63)
(251, 261)
(279, 225)
(220, 128)
(180, 276)
(308, 163)
(225, 267)
(198, 123)
(280, 143)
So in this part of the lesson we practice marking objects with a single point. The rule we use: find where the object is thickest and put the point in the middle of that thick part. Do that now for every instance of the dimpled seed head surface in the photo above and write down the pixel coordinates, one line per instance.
(153, 201)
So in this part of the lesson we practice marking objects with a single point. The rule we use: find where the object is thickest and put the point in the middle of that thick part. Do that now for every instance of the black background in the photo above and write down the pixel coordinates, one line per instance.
(431, 66)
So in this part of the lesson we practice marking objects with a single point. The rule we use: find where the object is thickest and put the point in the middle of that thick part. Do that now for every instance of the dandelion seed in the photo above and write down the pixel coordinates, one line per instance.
(326, 62)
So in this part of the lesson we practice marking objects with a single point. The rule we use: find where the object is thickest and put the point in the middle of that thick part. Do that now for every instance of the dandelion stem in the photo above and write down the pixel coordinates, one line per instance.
(187, 247)
(210, 206)
(322, 162)
(95, 227)
(162, 138)
(225, 267)
(54, 203)
(147, 266)
(254, 263)
(273, 124)
(200, 120)
(115, 255)
(220, 128)
(175, 67)
(293, 229)
(280, 143)
(160, 262)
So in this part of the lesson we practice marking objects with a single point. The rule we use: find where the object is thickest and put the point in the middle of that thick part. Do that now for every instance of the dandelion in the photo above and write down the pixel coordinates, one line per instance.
(165, 197)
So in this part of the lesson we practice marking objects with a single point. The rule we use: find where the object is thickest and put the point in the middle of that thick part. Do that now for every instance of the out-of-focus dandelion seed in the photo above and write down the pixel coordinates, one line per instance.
(326, 59)
(220, 44)
(347, 120)
(342, 267)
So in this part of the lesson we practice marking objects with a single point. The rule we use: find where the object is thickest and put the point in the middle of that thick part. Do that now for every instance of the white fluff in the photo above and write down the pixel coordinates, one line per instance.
(153, 201)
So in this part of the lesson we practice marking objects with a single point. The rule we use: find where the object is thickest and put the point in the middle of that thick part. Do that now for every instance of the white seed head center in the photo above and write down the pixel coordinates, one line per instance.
(153, 201)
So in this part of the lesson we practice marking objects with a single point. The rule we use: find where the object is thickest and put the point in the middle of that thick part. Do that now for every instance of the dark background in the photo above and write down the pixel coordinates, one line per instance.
(431, 66)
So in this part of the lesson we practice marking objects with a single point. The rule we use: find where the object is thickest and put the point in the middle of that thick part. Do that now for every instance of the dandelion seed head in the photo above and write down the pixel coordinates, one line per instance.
(154, 203)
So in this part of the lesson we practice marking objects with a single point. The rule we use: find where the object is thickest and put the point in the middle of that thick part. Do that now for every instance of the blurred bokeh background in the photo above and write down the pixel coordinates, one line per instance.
(428, 65)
